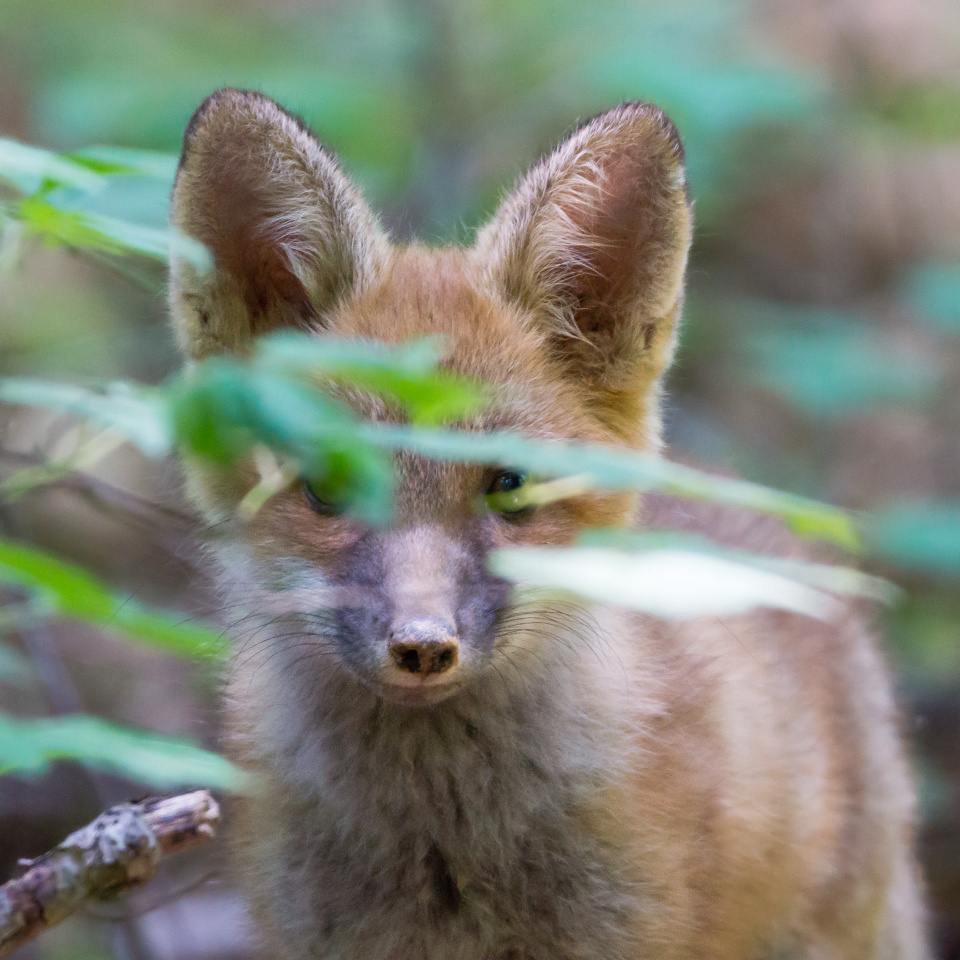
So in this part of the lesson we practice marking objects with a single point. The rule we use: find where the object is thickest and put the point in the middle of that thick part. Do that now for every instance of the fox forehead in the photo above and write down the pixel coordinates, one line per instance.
(437, 292)
(429, 292)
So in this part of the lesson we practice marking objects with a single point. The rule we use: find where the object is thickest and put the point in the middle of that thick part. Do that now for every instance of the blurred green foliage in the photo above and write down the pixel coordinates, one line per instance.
(62, 589)
(933, 290)
(920, 535)
(162, 763)
(395, 87)
(830, 364)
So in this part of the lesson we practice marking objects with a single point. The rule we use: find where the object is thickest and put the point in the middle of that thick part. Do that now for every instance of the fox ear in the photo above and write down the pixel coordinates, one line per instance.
(592, 244)
(288, 234)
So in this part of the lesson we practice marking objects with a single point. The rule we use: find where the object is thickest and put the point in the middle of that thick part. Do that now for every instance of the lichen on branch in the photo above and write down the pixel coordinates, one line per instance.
(118, 851)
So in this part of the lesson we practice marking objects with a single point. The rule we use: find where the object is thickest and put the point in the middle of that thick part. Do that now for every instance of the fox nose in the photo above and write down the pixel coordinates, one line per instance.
(423, 647)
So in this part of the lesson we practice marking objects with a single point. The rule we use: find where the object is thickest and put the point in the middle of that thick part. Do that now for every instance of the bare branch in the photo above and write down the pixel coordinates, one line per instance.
(101, 493)
(120, 850)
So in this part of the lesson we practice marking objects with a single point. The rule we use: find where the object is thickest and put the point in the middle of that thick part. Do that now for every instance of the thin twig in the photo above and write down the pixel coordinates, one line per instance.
(119, 851)
(100, 492)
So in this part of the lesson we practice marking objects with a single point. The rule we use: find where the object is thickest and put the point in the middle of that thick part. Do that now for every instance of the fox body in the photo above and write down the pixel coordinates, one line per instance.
(451, 768)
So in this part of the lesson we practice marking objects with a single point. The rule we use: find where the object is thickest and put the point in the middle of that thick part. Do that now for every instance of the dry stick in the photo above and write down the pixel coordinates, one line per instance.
(120, 850)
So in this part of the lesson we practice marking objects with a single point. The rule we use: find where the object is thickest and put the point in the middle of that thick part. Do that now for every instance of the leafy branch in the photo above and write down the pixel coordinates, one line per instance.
(222, 409)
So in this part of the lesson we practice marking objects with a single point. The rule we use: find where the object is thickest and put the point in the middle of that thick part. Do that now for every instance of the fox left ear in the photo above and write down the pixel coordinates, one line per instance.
(289, 236)
(593, 244)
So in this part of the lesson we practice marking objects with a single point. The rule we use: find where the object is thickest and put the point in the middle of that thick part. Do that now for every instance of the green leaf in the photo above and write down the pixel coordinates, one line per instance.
(65, 227)
(678, 576)
(407, 374)
(222, 409)
(157, 244)
(611, 468)
(923, 535)
(93, 231)
(28, 747)
(140, 414)
(29, 168)
(672, 583)
(124, 161)
(72, 592)
(832, 579)
(152, 242)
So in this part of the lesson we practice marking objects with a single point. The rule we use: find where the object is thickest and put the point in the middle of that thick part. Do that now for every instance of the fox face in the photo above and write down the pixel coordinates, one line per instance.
(567, 305)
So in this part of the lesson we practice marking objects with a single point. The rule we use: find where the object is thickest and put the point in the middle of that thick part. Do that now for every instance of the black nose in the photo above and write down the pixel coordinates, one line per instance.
(424, 646)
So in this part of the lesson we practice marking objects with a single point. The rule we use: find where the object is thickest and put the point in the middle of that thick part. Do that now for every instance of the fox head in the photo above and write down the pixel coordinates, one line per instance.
(567, 304)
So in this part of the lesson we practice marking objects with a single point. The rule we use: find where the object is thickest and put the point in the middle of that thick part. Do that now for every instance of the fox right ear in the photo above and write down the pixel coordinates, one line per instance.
(289, 234)
(592, 245)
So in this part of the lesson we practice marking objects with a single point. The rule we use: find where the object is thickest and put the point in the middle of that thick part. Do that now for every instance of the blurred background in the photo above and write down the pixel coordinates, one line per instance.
(821, 349)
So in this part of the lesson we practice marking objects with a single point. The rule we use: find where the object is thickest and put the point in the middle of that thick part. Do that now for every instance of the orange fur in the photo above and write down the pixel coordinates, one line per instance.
(591, 783)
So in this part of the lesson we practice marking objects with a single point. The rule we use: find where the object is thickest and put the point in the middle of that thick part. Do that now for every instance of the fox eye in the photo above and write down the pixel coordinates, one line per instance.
(506, 495)
(322, 497)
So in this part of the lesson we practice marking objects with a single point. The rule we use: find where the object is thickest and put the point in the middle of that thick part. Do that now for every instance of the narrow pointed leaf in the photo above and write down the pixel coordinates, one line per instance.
(72, 592)
(669, 583)
(29, 746)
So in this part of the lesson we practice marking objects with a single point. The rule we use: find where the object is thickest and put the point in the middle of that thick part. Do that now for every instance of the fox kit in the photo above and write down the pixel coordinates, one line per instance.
(448, 768)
